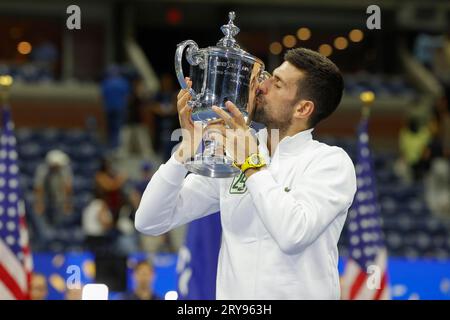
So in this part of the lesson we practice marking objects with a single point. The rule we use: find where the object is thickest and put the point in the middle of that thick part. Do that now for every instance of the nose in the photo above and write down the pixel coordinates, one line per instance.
(263, 86)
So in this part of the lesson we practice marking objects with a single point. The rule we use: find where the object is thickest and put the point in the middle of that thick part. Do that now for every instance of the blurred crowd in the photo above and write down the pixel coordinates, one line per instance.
(41, 67)
(424, 142)
(105, 223)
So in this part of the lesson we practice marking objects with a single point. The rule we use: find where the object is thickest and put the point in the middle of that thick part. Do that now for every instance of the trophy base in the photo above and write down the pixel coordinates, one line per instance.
(212, 166)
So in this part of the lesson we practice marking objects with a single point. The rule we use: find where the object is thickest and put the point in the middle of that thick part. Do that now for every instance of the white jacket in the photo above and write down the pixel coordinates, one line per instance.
(280, 228)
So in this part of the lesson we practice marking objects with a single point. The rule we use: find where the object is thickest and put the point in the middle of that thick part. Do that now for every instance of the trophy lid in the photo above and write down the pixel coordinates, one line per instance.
(228, 44)
(230, 30)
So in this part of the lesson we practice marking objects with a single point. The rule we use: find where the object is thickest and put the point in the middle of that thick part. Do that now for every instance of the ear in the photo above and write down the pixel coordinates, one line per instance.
(304, 109)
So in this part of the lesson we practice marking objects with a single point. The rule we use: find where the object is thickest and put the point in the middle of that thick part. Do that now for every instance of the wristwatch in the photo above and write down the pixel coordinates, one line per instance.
(255, 160)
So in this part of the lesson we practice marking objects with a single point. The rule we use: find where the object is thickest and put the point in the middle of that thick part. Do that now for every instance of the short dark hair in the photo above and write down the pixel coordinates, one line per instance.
(322, 83)
(143, 263)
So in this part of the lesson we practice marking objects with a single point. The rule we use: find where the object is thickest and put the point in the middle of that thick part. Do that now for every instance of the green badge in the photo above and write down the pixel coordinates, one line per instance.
(238, 185)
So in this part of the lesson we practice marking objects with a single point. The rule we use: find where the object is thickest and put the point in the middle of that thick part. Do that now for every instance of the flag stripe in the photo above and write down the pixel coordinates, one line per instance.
(360, 280)
(386, 295)
(350, 273)
(28, 259)
(12, 265)
(367, 293)
(10, 283)
(382, 286)
(5, 294)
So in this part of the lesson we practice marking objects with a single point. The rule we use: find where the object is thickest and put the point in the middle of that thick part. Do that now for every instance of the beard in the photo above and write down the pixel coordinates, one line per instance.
(262, 114)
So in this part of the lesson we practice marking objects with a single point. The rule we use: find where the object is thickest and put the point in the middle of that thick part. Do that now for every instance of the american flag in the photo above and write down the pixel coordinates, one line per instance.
(365, 275)
(15, 255)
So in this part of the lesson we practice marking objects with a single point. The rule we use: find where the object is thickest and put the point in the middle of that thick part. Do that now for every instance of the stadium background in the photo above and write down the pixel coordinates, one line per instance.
(58, 102)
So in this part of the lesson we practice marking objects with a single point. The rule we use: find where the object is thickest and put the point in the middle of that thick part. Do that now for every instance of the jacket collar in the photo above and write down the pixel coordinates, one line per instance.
(288, 145)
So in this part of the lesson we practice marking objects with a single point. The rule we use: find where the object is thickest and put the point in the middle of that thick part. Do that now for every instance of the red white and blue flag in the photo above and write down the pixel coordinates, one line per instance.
(15, 255)
(365, 275)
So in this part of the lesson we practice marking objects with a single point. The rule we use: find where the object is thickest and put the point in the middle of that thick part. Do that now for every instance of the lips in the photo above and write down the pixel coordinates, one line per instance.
(259, 99)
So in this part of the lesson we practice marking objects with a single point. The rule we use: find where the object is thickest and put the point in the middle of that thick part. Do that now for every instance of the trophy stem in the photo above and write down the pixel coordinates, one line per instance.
(210, 148)
(212, 162)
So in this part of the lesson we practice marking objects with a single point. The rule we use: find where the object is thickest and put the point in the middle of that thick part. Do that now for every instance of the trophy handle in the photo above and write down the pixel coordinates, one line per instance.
(192, 57)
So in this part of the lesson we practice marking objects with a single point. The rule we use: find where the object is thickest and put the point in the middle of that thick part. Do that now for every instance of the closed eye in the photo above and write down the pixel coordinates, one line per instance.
(278, 81)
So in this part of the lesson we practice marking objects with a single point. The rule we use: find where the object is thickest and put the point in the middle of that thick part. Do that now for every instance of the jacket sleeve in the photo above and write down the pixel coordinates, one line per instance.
(171, 200)
(296, 218)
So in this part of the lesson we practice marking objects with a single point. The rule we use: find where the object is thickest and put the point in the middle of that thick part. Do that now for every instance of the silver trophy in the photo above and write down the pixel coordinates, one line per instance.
(218, 74)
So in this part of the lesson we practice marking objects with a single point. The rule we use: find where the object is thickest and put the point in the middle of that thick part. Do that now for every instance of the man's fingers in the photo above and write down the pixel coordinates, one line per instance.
(216, 121)
(184, 96)
(185, 116)
(216, 129)
(182, 101)
(225, 116)
(183, 91)
(237, 115)
(217, 124)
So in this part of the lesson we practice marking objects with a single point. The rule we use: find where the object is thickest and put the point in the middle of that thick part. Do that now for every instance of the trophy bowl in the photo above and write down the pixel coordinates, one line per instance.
(219, 74)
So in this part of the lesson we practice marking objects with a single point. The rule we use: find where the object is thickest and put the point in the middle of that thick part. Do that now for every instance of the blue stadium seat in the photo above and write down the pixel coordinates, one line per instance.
(30, 151)
(82, 184)
(76, 136)
(24, 135)
(49, 135)
(84, 152)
